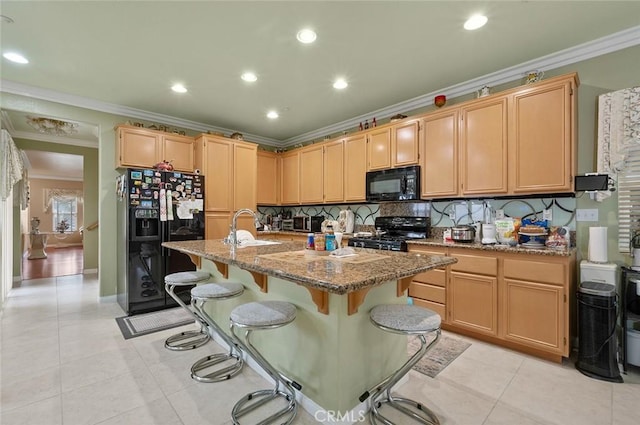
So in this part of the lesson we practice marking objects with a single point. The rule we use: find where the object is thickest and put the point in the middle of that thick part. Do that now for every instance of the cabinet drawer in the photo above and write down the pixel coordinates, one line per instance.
(476, 264)
(438, 308)
(433, 277)
(536, 271)
(427, 292)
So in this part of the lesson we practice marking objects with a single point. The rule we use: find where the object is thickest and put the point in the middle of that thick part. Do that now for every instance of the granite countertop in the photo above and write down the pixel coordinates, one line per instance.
(259, 233)
(437, 242)
(288, 261)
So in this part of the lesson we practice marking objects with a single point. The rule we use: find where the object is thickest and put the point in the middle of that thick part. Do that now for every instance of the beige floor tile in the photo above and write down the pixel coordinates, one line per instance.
(47, 411)
(100, 366)
(75, 329)
(157, 412)
(108, 398)
(28, 387)
(175, 374)
(626, 402)
(502, 414)
(152, 350)
(505, 359)
(17, 363)
(91, 344)
(559, 394)
(37, 338)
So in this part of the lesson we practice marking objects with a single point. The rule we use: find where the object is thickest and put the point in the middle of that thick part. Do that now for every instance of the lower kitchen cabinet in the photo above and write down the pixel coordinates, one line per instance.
(428, 289)
(473, 302)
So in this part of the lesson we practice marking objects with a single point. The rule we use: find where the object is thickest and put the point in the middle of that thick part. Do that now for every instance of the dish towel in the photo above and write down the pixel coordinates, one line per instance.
(163, 205)
(169, 206)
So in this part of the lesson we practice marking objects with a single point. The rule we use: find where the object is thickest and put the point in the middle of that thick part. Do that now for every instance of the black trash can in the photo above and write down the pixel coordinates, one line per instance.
(597, 342)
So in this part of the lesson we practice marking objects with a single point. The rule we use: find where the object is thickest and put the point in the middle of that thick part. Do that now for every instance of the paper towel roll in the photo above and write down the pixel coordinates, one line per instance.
(598, 245)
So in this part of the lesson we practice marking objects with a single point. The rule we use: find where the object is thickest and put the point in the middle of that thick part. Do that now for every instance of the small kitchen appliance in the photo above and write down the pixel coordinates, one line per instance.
(392, 233)
(489, 234)
(463, 233)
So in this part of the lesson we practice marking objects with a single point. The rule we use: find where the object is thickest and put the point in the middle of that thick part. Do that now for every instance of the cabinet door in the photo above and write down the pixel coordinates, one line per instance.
(355, 168)
(217, 225)
(484, 147)
(379, 148)
(179, 150)
(533, 315)
(137, 148)
(541, 140)
(268, 178)
(334, 172)
(244, 176)
(311, 175)
(290, 178)
(404, 145)
(473, 302)
(440, 155)
(218, 174)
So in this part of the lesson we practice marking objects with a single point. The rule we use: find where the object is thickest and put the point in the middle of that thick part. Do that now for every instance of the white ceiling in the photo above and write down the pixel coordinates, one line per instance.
(52, 165)
(128, 54)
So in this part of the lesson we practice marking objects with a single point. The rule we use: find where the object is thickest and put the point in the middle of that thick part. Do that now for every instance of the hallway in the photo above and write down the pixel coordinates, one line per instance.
(59, 262)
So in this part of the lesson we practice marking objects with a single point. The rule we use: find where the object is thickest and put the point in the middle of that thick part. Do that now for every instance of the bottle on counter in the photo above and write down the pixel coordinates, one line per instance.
(319, 242)
(310, 241)
(330, 239)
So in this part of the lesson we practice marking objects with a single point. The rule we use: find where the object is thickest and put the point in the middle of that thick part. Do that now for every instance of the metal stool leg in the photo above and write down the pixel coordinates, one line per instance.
(256, 399)
(187, 340)
(204, 364)
(382, 392)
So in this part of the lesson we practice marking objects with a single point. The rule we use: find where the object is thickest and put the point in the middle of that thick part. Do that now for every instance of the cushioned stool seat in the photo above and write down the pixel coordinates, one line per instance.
(259, 316)
(187, 340)
(231, 362)
(405, 320)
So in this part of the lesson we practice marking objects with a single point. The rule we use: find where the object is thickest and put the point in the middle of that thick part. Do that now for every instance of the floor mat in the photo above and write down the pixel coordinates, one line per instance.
(144, 324)
(439, 357)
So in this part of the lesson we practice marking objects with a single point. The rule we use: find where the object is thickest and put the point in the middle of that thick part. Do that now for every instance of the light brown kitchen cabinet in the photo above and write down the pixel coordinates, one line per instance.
(483, 147)
(439, 148)
(269, 169)
(542, 157)
(312, 174)
(333, 171)
(230, 172)
(355, 168)
(404, 144)
(379, 148)
(473, 293)
(144, 148)
(290, 178)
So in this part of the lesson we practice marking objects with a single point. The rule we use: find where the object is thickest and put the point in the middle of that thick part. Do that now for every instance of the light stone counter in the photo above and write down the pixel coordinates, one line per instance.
(418, 243)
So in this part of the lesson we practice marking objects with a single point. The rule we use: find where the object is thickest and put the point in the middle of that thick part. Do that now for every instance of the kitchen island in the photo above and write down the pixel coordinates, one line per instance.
(331, 348)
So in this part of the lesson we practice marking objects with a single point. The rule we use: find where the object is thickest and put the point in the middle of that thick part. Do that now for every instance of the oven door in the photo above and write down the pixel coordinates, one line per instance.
(396, 184)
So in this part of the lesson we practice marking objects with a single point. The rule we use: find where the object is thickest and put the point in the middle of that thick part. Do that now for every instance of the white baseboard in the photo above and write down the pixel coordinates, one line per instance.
(108, 299)
(90, 271)
(17, 278)
(321, 415)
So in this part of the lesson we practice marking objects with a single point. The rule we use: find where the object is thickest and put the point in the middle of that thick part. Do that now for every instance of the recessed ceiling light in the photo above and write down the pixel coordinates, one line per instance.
(272, 114)
(475, 22)
(15, 57)
(340, 84)
(179, 88)
(306, 36)
(249, 77)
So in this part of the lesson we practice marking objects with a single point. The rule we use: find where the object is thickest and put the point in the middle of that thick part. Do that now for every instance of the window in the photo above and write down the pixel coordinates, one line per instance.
(65, 215)
(629, 198)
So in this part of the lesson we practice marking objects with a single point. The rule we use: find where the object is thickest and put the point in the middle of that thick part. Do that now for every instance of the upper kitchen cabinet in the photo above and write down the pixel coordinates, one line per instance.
(483, 147)
(334, 171)
(439, 147)
(244, 175)
(269, 169)
(393, 145)
(355, 168)
(144, 148)
(290, 178)
(542, 137)
(311, 174)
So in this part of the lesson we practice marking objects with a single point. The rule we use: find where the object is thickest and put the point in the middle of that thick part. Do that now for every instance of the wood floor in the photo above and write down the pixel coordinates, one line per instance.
(59, 262)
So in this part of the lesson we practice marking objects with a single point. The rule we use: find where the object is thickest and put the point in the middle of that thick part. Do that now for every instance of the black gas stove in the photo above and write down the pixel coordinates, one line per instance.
(392, 233)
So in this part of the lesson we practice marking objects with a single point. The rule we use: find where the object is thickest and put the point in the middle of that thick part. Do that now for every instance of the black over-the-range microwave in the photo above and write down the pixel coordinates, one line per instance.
(394, 184)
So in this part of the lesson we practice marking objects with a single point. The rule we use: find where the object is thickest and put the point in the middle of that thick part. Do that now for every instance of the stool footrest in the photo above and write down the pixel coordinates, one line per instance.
(259, 398)
(221, 374)
(420, 413)
(187, 340)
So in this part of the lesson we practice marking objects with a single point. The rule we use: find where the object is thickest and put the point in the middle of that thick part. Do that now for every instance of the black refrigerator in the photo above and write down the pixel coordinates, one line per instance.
(155, 207)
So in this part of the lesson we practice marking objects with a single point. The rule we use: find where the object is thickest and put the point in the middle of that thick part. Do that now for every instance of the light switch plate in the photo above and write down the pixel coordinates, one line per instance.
(547, 215)
(499, 214)
(585, 214)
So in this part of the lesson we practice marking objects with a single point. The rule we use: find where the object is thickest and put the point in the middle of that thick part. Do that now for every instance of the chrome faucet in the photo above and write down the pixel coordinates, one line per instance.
(232, 238)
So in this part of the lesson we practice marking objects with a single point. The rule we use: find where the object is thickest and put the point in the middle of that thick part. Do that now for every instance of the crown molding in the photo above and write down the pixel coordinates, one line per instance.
(54, 139)
(611, 43)
(40, 93)
(54, 177)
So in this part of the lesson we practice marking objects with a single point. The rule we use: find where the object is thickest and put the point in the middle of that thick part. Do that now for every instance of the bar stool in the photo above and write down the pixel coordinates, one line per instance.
(406, 320)
(199, 296)
(187, 340)
(263, 315)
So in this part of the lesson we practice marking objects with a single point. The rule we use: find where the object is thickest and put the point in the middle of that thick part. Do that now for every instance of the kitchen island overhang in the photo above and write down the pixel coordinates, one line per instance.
(331, 349)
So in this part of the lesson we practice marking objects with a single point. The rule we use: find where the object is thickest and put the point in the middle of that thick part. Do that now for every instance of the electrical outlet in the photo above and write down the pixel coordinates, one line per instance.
(587, 214)
(547, 215)
(499, 214)
(452, 215)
